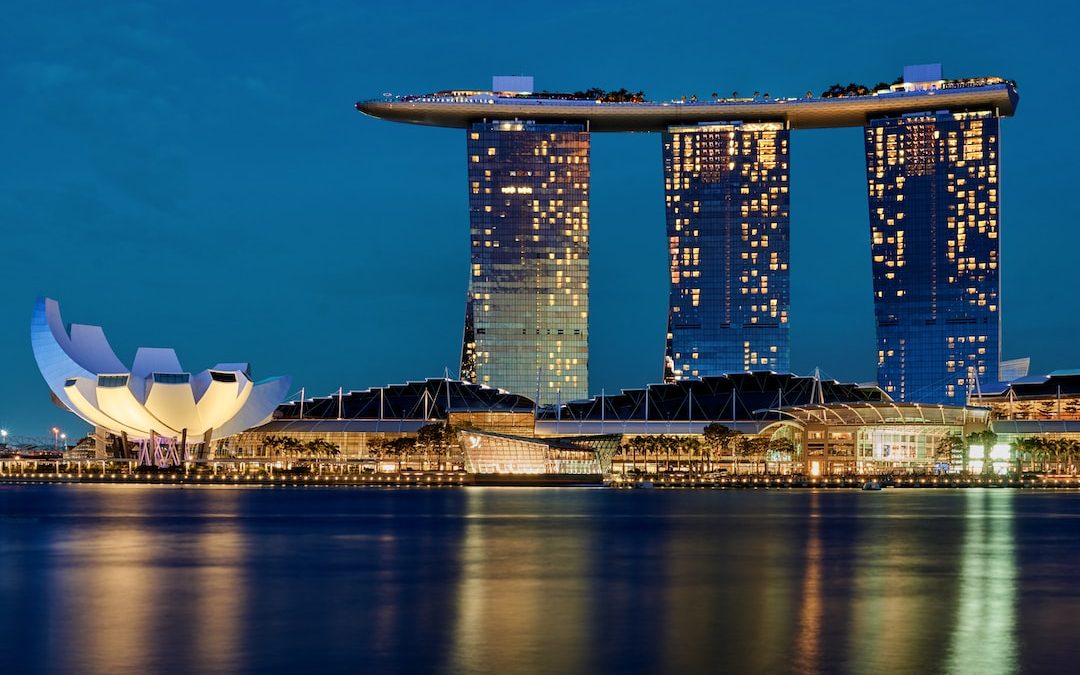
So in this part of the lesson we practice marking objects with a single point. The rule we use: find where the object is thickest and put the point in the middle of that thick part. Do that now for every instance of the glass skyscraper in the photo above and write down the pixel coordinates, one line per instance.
(527, 312)
(934, 198)
(726, 193)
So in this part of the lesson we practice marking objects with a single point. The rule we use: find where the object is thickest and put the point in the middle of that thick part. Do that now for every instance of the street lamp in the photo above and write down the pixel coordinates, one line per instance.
(63, 437)
(3, 437)
(55, 438)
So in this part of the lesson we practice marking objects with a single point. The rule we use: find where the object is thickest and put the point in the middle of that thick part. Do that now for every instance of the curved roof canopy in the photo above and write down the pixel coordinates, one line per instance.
(153, 397)
(885, 413)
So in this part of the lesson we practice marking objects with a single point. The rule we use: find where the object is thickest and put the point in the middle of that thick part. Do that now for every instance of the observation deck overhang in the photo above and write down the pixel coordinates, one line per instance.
(803, 113)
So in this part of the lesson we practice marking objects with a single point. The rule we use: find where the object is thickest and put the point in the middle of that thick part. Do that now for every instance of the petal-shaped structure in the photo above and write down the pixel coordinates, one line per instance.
(223, 398)
(170, 398)
(265, 397)
(155, 396)
(60, 356)
(83, 396)
(118, 402)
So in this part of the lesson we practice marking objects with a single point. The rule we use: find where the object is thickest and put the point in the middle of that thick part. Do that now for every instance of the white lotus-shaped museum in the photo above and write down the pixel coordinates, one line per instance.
(155, 398)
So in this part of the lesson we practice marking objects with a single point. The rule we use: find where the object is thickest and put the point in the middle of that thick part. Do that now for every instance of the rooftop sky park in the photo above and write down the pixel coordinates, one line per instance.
(461, 108)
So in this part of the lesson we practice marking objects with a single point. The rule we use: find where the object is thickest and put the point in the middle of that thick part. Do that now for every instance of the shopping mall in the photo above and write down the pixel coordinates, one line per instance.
(762, 422)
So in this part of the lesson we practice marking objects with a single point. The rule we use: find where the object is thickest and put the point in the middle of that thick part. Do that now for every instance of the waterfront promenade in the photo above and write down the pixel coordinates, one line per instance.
(345, 475)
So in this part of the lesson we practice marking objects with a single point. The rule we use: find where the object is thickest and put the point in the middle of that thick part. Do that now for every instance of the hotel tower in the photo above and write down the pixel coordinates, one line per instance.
(934, 207)
(726, 197)
(527, 312)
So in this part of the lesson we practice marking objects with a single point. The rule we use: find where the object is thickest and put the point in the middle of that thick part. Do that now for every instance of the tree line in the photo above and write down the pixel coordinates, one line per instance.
(718, 446)
(1036, 453)
(434, 446)
(853, 89)
(289, 446)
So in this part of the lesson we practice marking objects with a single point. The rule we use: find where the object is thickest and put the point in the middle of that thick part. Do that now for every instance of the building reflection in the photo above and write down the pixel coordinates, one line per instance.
(704, 576)
(132, 585)
(807, 649)
(110, 595)
(984, 635)
(523, 591)
(220, 593)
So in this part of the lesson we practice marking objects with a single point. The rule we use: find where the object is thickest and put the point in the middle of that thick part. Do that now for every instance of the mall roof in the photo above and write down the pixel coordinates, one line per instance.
(429, 399)
(731, 397)
(1063, 382)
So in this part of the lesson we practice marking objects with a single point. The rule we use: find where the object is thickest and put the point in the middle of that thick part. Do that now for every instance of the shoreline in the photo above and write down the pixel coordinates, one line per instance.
(459, 480)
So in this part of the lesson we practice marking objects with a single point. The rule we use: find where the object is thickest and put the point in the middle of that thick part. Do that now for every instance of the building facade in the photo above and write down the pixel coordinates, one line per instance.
(934, 197)
(527, 311)
(727, 207)
(492, 453)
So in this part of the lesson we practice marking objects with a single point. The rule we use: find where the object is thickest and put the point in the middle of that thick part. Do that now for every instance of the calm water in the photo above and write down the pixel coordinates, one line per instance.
(117, 579)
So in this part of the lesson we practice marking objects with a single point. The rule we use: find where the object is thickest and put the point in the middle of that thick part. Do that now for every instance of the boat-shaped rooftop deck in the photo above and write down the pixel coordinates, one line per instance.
(797, 113)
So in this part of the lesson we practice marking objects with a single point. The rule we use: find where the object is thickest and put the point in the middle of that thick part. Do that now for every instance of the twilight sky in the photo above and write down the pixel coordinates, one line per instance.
(194, 175)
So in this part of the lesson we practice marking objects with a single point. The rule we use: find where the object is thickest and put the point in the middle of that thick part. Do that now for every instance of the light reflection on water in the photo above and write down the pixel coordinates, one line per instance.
(141, 579)
(984, 636)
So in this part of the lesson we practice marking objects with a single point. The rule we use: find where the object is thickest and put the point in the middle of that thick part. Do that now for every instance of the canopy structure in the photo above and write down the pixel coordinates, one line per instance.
(870, 413)
(155, 397)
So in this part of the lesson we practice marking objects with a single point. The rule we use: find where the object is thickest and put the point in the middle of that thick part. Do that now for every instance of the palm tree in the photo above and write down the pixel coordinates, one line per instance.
(698, 448)
(634, 446)
(320, 447)
(671, 444)
(987, 439)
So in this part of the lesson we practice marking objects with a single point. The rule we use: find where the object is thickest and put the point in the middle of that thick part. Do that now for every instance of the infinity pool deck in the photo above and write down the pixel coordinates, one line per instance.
(796, 113)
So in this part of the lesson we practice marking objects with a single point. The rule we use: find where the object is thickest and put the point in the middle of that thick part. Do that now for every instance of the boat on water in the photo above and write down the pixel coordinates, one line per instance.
(871, 485)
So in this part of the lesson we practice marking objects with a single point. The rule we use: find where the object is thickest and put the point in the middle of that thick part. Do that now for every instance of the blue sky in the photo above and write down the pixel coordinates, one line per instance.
(194, 174)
